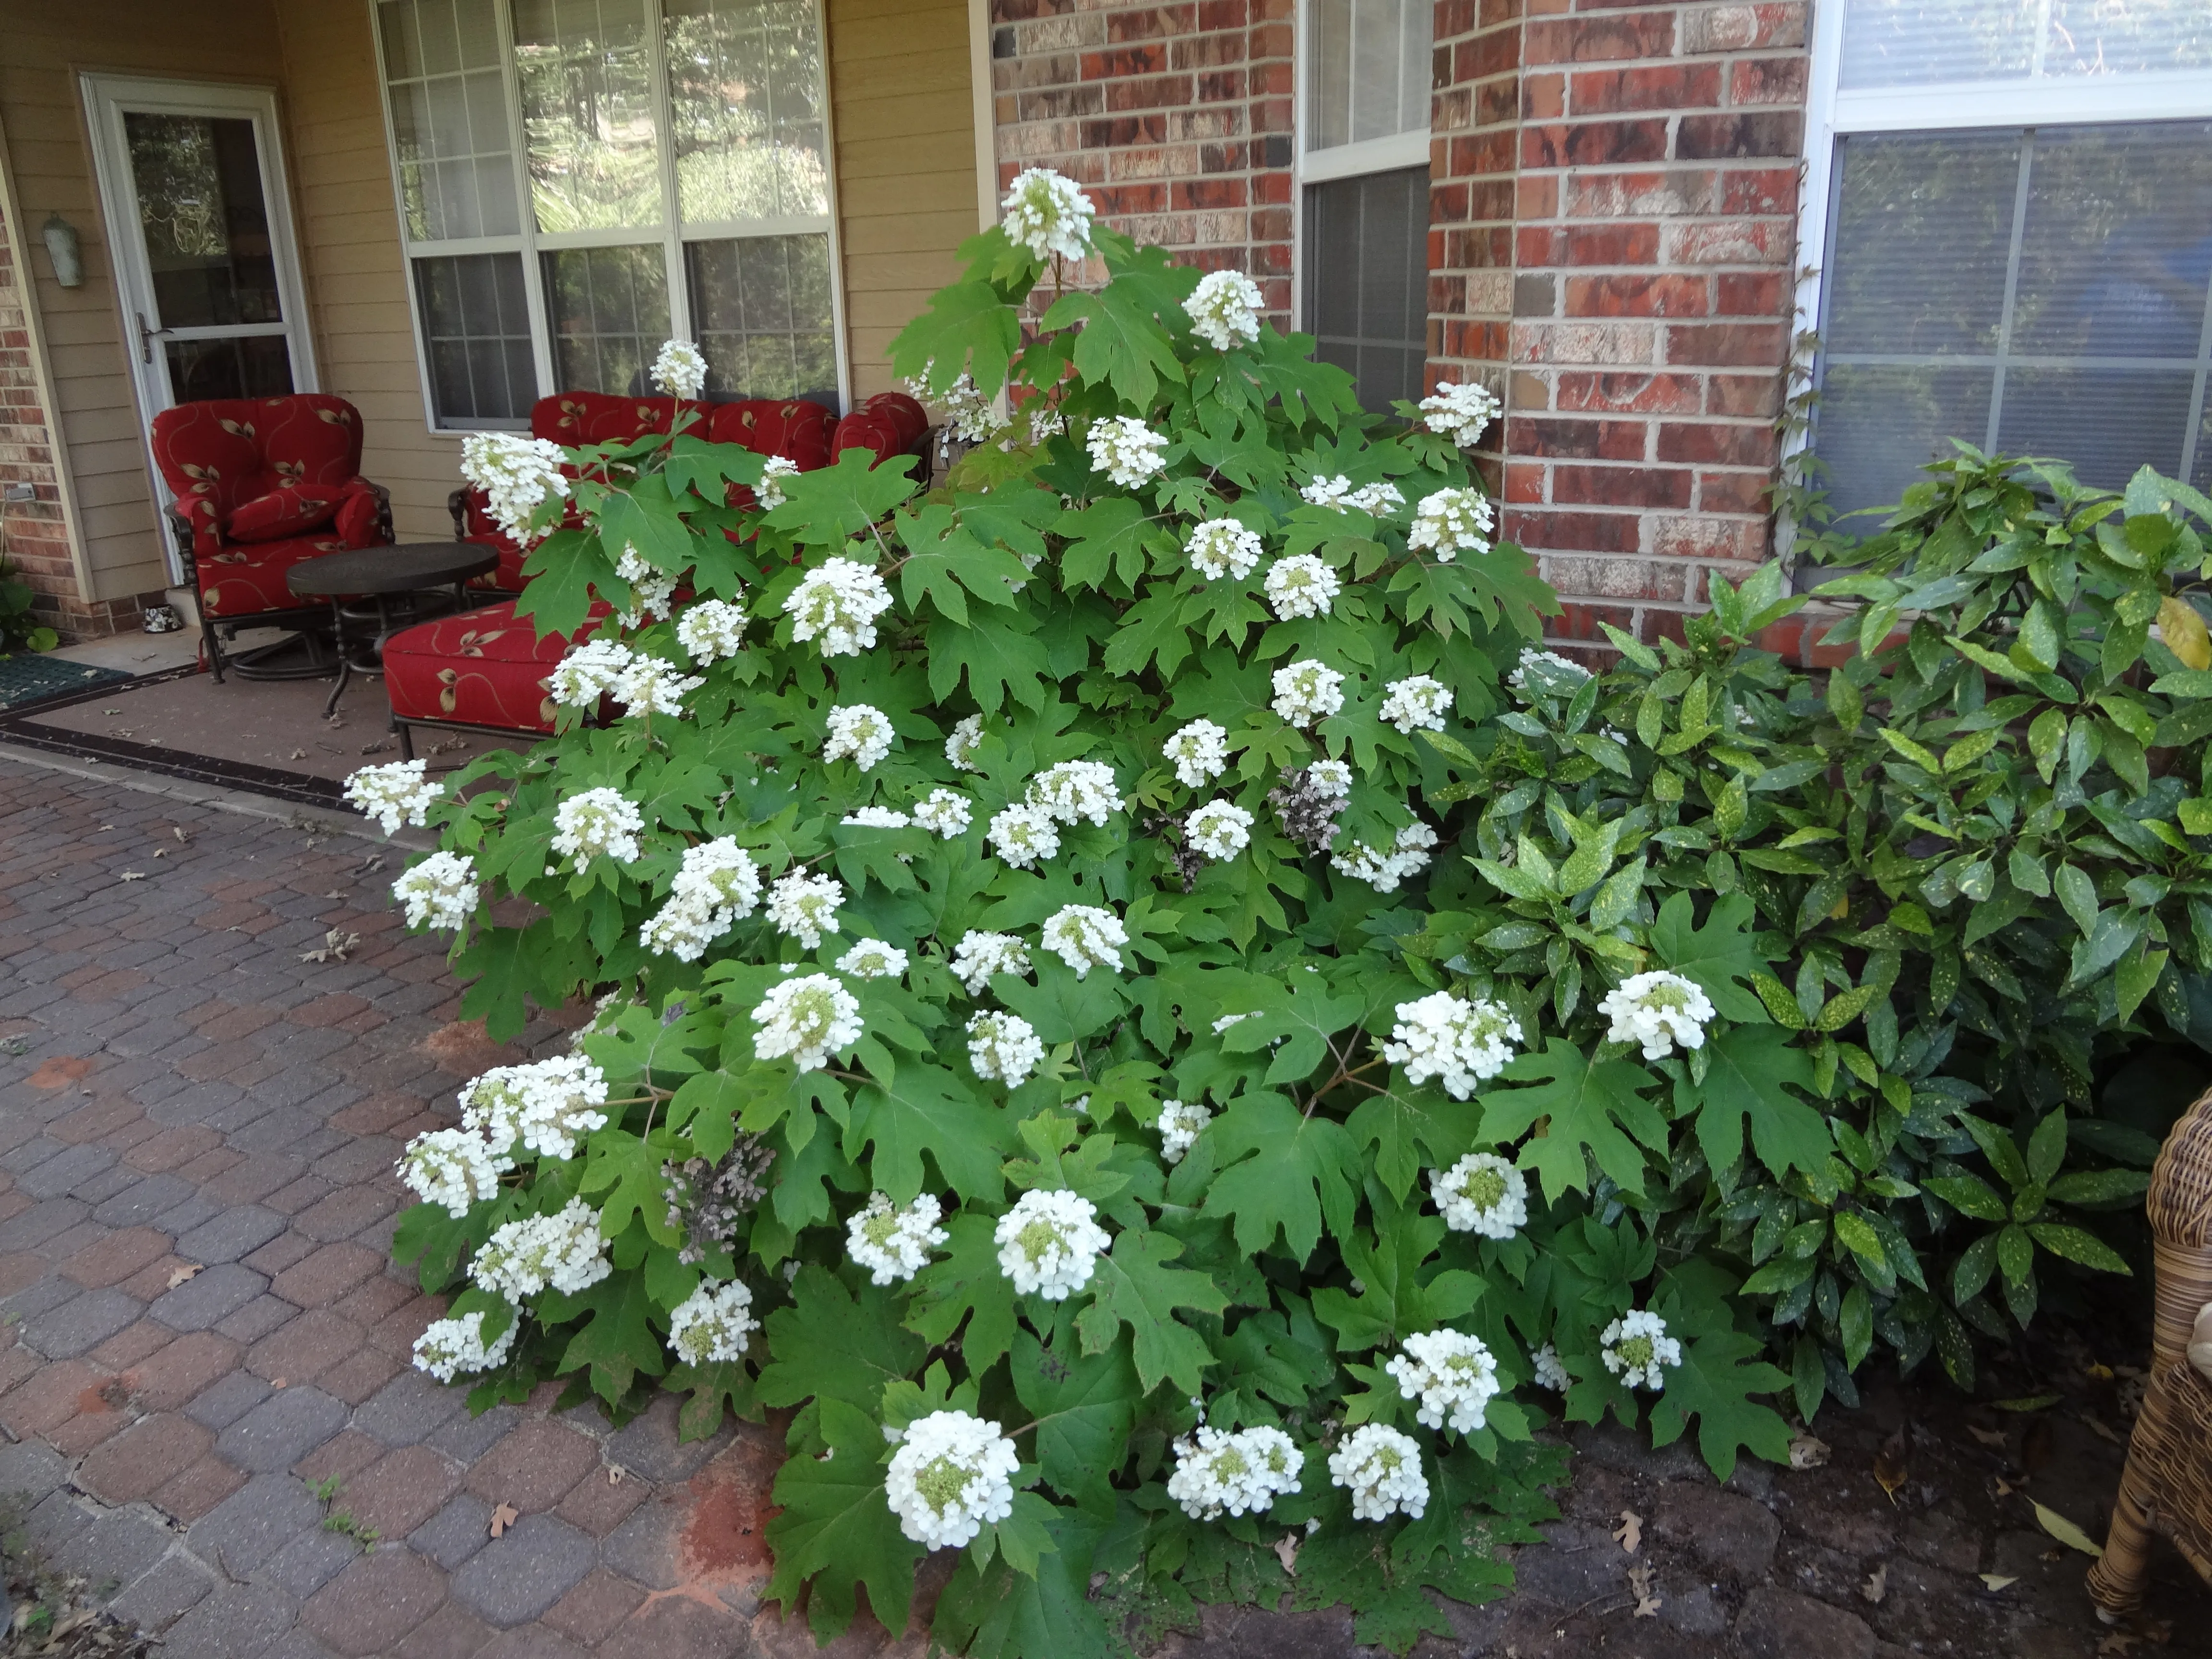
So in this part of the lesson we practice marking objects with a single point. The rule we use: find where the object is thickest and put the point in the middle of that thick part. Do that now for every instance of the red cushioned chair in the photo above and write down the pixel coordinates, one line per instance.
(487, 669)
(797, 429)
(262, 484)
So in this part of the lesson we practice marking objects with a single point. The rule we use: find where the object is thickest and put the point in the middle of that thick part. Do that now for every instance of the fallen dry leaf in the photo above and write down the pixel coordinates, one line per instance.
(1992, 1437)
(1647, 1604)
(1629, 1534)
(2065, 1531)
(1287, 1551)
(1889, 1469)
(503, 1517)
(2000, 1487)
(277, 1383)
(2031, 1402)
(1807, 1451)
(299, 754)
(1998, 1581)
(614, 1474)
(178, 1275)
(335, 943)
(2101, 1373)
(2103, 1429)
(2118, 1642)
(1876, 1586)
(132, 875)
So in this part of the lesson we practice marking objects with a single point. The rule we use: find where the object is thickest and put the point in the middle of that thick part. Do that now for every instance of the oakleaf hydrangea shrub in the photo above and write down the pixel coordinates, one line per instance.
(1137, 1060)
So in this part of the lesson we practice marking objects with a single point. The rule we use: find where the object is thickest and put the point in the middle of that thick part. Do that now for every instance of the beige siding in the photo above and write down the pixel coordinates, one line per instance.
(45, 47)
(905, 112)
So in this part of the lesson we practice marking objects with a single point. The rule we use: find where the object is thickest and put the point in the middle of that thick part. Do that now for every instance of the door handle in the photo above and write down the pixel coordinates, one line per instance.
(146, 336)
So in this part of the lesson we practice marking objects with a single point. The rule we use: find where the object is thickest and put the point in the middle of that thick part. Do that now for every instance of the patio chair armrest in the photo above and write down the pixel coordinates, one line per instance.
(457, 503)
(383, 509)
(181, 529)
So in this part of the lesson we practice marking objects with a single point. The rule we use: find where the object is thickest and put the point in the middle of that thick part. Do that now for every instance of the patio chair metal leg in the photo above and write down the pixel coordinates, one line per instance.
(406, 738)
(213, 646)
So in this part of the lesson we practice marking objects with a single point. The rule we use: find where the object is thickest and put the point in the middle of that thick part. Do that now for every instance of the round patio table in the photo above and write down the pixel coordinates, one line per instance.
(391, 587)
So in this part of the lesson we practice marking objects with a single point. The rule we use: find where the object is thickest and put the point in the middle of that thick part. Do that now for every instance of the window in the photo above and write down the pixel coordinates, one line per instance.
(581, 179)
(2014, 199)
(1364, 174)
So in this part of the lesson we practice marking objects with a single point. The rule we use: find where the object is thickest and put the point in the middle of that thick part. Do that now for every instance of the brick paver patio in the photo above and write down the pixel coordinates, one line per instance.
(195, 1203)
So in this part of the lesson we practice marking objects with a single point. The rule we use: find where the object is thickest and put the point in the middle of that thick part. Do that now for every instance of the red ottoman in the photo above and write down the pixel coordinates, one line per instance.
(482, 668)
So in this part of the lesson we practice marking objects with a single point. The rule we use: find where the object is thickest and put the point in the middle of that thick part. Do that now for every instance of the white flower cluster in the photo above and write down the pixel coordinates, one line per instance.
(587, 673)
(943, 813)
(838, 601)
(598, 821)
(1225, 309)
(1407, 857)
(652, 589)
(1636, 1346)
(1658, 1009)
(1332, 778)
(809, 1018)
(1220, 829)
(452, 1167)
(980, 955)
(544, 1107)
(1085, 936)
(948, 1477)
(712, 1325)
(448, 1347)
(1075, 790)
(564, 1251)
(1308, 691)
(1023, 836)
(438, 892)
(717, 887)
(679, 370)
(960, 747)
(1546, 674)
(1483, 1195)
(1551, 1372)
(1218, 1474)
(1047, 213)
(1004, 1048)
(711, 630)
(516, 475)
(394, 794)
(1452, 522)
(804, 907)
(969, 417)
(1381, 1469)
(1198, 752)
(768, 492)
(1380, 498)
(858, 733)
(1180, 1123)
(872, 959)
(651, 685)
(1446, 1036)
(1416, 702)
(893, 1244)
(1459, 412)
(1222, 547)
(1451, 1374)
(1126, 451)
(1301, 586)
(1049, 1243)
(877, 818)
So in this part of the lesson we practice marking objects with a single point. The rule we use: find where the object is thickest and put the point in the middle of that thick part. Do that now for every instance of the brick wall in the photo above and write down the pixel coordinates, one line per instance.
(1653, 250)
(1175, 118)
(32, 535)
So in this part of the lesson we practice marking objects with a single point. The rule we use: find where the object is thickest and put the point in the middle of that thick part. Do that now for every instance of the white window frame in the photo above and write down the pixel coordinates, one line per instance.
(528, 242)
(1393, 154)
(1833, 112)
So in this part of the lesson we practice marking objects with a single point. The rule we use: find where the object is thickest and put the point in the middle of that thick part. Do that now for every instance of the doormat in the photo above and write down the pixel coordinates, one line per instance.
(28, 677)
(22, 726)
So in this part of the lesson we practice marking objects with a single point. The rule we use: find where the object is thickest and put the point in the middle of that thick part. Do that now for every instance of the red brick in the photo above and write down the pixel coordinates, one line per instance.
(1676, 86)
(1743, 395)
(1636, 296)
(533, 1467)
(198, 1489)
(1736, 492)
(1620, 486)
(359, 1375)
(1594, 532)
(401, 1490)
(1769, 81)
(304, 1349)
(50, 1397)
(344, 1455)
(132, 1344)
(598, 1505)
(1731, 345)
(1758, 189)
(1751, 294)
(1609, 440)
(172, 1375)
(1598, 39)
(1593, 143)
(595, 1607)
(151, 1452)
(321, 1279)
(1774, 132)
(374, 1603)
(116, 1257)
(1717, 444)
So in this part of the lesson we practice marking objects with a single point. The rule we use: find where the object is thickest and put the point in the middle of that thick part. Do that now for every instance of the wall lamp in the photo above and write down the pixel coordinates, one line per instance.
(64, 249)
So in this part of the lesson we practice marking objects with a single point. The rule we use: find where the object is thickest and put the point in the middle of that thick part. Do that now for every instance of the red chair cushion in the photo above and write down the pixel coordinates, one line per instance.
(484, 667)
(909, 418)
(863, 430)
(287, 510)
(222, 453)
(245, 578)
(796, 430)
(573, 419)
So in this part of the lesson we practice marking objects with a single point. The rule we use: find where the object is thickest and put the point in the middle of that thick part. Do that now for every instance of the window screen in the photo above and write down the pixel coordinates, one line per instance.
(476, 334)
(1893, 43)
(1367, 280)
(2034, 290)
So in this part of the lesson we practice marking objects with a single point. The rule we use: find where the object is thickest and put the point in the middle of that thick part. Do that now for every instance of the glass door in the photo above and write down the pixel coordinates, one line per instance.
(199, 231)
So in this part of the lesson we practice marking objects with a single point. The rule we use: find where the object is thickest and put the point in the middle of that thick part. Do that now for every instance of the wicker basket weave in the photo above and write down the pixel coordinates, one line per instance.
(2166, 1488)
